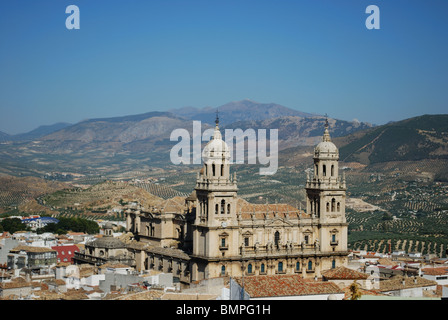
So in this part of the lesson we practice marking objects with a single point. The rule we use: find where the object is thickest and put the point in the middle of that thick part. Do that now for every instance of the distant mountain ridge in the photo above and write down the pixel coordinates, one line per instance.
(244, 110)
(143, 140)
(35, 133)
(132, 118)
(157, 125)
(126, 129)
(297, 131)
(41, 131)
(149, 131)
(4, 136)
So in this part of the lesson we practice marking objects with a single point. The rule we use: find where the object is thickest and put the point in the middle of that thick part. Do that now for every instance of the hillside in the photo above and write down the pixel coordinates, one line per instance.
(40, 132)
(101, 196)
(119, 129)
(4, 137)
(18, 191)
(298, 131)
(414, 139)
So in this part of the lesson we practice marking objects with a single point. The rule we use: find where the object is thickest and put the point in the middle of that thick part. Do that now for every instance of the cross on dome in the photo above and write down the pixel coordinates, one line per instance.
(326, 137)
(217, 117)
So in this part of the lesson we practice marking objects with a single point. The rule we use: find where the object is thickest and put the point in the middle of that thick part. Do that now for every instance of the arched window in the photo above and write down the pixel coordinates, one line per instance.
(213, 169)
(223, 270)
(297, 265)
(249, 268)
(338, 207)
(280, 266)
(332, 170)
(317, 170)
(310, 265)
(222, 170)
(228, 208)
(333, 205)
(328, 206)
(223, 206)
(333, 264)
(216, 208)
(277, 238)
(262, 270)
(324, 170)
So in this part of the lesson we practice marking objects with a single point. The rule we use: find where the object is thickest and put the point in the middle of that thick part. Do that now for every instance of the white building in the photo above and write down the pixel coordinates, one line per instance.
(437, 274)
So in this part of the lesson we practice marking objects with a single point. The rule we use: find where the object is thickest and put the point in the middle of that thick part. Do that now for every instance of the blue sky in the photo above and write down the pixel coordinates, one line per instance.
(136, 56)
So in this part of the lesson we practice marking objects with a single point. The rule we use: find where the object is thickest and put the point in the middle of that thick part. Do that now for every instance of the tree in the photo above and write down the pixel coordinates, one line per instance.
(355, 292)
(13, 225)
(72, 224)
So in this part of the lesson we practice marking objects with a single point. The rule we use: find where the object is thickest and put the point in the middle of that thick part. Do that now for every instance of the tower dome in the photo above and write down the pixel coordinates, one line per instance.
(216, 149)
(326, 148)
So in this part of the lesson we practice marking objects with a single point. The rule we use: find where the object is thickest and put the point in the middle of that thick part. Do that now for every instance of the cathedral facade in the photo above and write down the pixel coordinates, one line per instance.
(214, 233)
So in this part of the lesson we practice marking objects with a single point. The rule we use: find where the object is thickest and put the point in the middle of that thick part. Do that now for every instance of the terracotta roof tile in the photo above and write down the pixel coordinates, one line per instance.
(396, 283)
(176, 204)
(343, 273)
(387, 262)
(285, 285)
(31, 249)
(435, 271)
(14, 284)
(262, 211)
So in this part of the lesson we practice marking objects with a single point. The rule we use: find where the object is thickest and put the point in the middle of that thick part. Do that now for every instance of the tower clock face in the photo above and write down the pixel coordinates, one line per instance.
(223, 224)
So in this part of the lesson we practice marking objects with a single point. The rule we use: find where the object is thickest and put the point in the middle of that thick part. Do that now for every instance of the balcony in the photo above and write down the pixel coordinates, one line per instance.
(86, 258)
(281, 250)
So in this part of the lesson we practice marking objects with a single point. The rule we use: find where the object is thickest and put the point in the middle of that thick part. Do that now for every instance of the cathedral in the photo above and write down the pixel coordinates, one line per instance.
(214, 233)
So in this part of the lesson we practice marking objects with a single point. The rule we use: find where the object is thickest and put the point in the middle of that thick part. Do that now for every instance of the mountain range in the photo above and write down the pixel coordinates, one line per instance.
(149, 131)
(34, 134)
(97, 142)
(244, 110)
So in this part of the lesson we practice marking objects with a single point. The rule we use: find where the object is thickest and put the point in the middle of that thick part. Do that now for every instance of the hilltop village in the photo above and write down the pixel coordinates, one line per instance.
(214, 245)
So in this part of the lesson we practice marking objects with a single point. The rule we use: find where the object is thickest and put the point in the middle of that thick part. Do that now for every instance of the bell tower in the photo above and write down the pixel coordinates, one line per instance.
(216, 189)
(326, 191)
(215, 229)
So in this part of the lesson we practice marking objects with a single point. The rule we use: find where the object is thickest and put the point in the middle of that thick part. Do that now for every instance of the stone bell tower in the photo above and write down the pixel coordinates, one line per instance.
(325, 192)
(215, 229)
